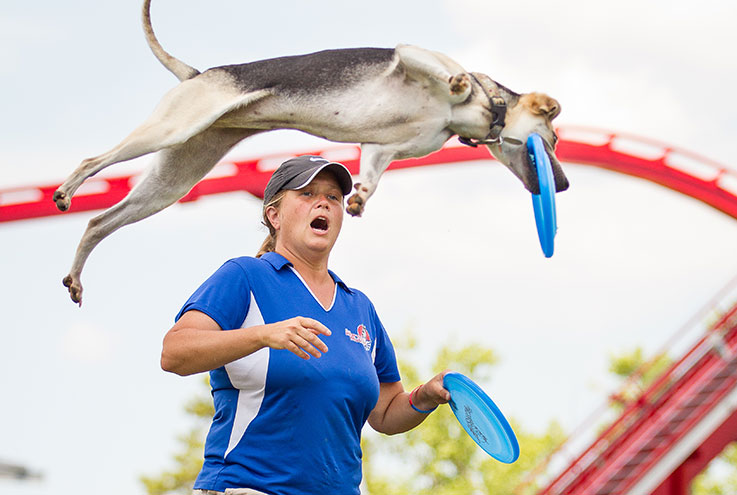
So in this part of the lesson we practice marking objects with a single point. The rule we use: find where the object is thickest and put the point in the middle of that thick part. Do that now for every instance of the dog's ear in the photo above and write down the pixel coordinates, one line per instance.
(492, 87)
(543, 104)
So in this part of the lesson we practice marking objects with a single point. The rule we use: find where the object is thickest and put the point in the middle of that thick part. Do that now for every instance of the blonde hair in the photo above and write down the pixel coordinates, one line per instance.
(269, 244)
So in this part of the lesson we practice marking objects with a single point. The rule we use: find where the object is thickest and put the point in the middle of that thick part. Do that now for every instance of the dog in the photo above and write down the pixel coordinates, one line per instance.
(398, 103)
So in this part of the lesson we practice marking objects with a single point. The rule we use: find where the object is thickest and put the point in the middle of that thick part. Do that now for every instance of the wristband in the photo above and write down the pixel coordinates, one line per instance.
(428, 411)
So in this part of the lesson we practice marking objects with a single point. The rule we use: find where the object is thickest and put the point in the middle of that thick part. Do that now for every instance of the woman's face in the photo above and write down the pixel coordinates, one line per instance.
(309, 218)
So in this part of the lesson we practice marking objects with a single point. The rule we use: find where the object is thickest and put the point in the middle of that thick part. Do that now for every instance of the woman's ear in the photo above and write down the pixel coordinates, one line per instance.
(272, 214)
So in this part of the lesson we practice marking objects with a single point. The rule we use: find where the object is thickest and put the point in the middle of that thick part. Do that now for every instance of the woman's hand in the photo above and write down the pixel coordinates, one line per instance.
(196, 343)
(431, 394)
(394, 413)
(298, 335)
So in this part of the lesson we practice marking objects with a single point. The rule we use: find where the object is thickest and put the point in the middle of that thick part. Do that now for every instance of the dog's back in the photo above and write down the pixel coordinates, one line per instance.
(323, 71)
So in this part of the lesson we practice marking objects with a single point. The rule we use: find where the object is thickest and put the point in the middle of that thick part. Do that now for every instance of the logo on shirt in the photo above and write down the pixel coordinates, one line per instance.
(361, 336)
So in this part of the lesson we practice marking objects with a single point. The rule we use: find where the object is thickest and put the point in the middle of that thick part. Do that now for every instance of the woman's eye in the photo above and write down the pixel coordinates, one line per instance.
(333, 197)
(306, 193)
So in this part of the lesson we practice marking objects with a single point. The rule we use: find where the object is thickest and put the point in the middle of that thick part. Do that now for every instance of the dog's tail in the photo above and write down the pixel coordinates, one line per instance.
(175, 66)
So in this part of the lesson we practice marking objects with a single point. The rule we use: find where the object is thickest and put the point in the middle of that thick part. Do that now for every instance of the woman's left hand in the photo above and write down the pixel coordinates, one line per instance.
(394, 413)
(432, 393)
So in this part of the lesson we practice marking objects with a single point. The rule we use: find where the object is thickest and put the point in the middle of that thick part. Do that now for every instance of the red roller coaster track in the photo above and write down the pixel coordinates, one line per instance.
(680, 170)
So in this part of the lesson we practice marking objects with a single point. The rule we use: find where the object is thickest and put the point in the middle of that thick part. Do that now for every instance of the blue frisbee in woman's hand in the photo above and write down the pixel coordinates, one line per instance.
(543, 203)
(481, 419)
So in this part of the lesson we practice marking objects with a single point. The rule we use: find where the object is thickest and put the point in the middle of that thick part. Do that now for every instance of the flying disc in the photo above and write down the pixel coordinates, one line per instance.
(481, 419)
(544, 203)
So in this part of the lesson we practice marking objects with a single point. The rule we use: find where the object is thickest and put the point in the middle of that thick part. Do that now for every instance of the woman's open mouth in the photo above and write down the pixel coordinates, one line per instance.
(319, 224)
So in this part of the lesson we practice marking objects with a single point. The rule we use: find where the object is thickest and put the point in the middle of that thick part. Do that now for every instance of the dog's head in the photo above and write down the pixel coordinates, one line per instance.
(526, 113)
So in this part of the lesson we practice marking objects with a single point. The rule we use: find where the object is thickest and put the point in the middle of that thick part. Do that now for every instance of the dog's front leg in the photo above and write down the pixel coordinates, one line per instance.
(436, 67)
(375, 159)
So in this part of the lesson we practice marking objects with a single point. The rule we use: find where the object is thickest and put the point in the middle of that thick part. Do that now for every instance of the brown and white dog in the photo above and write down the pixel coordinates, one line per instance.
(398, 103)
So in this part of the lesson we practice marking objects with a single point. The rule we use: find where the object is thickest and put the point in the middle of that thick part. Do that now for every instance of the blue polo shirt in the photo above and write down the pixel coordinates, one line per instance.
(284, 425)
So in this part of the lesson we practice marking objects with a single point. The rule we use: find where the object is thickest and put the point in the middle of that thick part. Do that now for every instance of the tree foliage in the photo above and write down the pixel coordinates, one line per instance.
(635, 374)
(720, 476)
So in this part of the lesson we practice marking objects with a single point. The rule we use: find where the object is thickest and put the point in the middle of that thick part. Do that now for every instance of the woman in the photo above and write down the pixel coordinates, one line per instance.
(305, 361)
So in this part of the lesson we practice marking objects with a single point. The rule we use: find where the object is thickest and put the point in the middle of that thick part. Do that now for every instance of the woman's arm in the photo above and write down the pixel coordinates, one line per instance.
(393, 412)
(196, 343)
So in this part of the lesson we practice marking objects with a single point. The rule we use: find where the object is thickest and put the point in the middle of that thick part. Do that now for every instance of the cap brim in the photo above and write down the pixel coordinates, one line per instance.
(304, 178)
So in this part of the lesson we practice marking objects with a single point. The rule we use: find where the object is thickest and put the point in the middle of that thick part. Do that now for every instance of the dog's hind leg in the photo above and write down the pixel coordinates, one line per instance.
(184, 112)
(175, 172)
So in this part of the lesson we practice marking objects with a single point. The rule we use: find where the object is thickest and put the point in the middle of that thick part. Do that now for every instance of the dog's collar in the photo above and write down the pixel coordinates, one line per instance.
(498, 108)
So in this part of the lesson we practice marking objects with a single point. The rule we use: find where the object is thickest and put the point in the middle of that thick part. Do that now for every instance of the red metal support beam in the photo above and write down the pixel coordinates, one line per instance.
(679, 481)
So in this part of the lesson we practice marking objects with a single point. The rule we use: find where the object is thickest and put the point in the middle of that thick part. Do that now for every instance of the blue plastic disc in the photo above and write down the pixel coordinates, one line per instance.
(544, 203)
(481, 419)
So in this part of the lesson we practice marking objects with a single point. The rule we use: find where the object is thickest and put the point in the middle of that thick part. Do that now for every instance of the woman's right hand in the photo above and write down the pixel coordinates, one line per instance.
(298, 335)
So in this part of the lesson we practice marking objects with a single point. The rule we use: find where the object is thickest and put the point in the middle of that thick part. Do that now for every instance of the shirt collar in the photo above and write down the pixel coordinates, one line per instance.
(278, 262)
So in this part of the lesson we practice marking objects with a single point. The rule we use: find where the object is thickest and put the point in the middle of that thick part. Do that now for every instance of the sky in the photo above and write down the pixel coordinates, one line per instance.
(448, 253)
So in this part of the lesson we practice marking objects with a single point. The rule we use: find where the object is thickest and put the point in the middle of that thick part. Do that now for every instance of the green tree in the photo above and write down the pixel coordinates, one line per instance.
(635, 373)
(720, 476)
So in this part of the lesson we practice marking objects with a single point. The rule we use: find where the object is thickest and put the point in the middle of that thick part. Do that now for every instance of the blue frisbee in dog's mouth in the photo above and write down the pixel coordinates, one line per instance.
(544, 203)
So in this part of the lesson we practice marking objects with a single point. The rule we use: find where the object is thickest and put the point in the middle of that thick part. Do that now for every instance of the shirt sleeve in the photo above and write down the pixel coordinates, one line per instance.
(385, 361)
(224, 297)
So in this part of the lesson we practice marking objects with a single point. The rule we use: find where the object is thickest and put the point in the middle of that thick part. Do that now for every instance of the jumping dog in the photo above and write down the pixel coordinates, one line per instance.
(398, 103)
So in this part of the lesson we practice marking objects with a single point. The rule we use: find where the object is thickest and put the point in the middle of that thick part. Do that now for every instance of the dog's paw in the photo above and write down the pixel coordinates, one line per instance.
(75, 289)
(460, 84)
(63, 202)
(355, 205)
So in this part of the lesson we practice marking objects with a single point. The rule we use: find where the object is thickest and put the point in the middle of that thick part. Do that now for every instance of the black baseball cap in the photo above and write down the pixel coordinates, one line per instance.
(299, 171)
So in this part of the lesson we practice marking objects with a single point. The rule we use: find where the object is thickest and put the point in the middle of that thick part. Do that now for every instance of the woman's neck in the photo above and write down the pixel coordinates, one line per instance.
(314, 269)
(314, 273)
